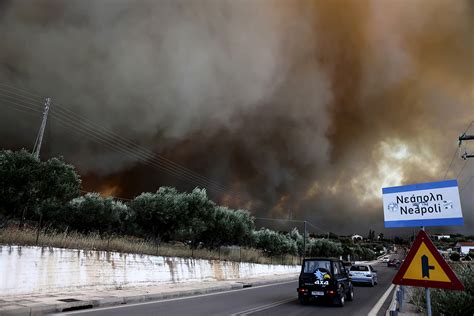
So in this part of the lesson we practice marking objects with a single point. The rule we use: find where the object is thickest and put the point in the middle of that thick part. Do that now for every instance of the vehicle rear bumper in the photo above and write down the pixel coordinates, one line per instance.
(361, 280)
(316, 293)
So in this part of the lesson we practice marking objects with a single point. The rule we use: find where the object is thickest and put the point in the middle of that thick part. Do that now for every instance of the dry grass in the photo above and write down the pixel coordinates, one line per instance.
(126, 244)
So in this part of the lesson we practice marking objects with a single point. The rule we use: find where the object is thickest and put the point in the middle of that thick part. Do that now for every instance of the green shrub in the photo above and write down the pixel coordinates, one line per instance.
(447, 302)
(455, 256)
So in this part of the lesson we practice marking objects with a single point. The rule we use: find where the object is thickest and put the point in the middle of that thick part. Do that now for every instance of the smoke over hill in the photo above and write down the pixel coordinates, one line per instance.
(311, 106)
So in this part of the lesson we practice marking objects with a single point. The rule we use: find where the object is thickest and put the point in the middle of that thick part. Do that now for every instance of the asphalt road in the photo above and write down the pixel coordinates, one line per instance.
(273, 299)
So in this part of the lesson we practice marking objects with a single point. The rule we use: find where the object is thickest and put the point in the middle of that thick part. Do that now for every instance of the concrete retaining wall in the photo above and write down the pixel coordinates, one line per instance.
(26, 270)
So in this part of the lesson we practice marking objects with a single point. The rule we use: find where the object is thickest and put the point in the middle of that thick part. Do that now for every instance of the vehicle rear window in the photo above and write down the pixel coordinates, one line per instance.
(312, 266)
(359, 268)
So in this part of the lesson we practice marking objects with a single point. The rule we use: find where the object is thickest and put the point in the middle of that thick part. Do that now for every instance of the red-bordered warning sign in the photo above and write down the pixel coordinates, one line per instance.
(425, 267)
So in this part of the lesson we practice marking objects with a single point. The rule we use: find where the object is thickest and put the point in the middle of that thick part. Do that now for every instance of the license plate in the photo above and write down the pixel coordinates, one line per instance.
(317, 293)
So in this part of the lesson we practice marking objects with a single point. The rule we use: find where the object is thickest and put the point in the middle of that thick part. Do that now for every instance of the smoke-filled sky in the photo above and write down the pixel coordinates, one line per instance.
(306, 108)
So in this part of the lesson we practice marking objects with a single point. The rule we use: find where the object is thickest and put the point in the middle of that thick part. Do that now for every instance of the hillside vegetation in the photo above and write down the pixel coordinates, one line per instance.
(41, 204)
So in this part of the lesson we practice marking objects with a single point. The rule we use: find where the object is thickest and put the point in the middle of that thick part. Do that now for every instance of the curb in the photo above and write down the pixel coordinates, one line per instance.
(393, 307)
(44, 308)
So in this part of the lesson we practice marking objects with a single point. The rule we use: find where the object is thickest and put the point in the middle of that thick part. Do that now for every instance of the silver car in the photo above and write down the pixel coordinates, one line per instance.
(363, 273)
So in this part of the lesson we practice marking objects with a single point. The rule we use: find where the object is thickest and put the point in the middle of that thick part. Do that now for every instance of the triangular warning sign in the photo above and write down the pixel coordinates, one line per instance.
(425, 267)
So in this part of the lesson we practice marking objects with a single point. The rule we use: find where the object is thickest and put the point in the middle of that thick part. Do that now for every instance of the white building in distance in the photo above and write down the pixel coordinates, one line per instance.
(465, 246)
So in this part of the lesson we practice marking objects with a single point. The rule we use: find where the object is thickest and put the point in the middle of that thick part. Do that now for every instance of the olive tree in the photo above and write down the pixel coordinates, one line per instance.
(324, 248)
(30, 187)
(200, 214)
(161, 215)
(228, 227)
(94, 213)
(274, 243)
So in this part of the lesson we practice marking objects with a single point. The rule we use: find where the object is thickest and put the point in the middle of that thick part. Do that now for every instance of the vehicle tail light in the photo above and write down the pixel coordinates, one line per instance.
(331, 292)
(302, 290)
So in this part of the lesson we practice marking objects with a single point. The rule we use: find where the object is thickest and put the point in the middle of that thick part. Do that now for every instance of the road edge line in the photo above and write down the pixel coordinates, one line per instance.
(378, 305)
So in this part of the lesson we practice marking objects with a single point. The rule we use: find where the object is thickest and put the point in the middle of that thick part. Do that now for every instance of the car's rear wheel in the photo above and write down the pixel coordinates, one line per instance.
(340, 300)
(350, 294)
(303, 300)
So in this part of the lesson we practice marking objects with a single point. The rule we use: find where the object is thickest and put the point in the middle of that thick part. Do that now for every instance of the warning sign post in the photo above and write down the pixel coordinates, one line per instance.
(425, 267)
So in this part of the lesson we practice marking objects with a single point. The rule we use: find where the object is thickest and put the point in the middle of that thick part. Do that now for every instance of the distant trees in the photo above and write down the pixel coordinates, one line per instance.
(298, 238)
(324, 248)
(274, 243)
(455, 256)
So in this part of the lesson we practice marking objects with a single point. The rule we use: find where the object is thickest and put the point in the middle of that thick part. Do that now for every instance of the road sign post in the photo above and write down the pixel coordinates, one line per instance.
(425, 267)
(425, 204)
(425, 272)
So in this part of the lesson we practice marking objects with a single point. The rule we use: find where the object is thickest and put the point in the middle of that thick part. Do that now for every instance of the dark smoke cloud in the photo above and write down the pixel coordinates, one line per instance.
(304, 107)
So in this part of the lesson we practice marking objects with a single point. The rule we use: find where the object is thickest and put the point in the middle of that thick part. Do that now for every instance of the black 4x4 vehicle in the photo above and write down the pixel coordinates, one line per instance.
(324, 278)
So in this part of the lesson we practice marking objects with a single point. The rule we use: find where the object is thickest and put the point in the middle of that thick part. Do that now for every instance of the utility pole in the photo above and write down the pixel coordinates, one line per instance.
(465, 137)
(39, 138)
(304, 241)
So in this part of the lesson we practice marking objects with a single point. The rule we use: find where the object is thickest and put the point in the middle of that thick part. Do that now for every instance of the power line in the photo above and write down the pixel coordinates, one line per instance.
(291, 220)
(280, 219)
(21, 106)
(33, 94)
(464, 136)
(111, 196)
(119, 143)
(21, 109)
(450, 164)
(119, 139)
(470, 124)
(463, 166)
(113, 146)
(464, 186)
(147, 153)
(314, 226)
(122, 149)
(12, 93)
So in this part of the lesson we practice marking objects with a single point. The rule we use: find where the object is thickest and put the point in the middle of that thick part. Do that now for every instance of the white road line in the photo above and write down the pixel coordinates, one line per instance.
(378, 305)
(173, 299)
(263, 307)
